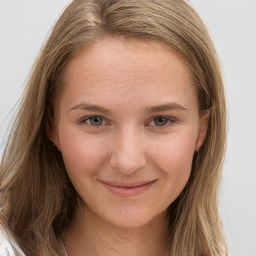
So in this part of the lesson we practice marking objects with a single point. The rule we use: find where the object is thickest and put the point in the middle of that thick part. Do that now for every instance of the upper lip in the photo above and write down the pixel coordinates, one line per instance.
(127, 184)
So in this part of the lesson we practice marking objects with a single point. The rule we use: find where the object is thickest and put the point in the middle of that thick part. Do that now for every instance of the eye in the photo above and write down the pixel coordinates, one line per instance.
(161, 121)
(93, 120)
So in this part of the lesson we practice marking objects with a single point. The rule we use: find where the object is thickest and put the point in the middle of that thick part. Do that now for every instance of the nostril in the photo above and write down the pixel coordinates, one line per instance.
(127, 164)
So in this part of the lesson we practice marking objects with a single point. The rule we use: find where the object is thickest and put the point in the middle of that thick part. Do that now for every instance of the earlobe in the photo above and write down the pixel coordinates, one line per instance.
(52, 134)
(204, 122)
(55, 141)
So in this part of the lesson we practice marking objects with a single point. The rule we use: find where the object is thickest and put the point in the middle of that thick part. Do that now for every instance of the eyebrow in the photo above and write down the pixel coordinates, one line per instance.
(166, 107)
(91, 107)
(157, 108)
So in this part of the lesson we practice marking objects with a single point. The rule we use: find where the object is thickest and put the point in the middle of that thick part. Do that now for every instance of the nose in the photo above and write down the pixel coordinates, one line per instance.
(128, 154)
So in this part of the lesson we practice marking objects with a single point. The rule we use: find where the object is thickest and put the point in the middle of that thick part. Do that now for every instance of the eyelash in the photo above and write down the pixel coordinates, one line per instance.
(84, 120)
(169, 121)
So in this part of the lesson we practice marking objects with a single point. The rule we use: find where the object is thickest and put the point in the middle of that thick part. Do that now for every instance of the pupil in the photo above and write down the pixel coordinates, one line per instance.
(160, 121)
(96, 120)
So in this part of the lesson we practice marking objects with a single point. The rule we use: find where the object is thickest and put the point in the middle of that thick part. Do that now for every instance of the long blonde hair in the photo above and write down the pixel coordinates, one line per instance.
(42, 199)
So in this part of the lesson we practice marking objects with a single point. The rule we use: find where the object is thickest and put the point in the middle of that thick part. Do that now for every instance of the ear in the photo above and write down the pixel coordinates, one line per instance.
(204, 121)
(53, 136)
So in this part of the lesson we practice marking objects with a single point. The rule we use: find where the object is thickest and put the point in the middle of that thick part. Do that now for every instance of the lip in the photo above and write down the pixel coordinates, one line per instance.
(128, 189)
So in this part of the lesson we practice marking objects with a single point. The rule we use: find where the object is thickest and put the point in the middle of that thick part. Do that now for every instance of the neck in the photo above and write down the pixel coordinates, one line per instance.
(90, 235)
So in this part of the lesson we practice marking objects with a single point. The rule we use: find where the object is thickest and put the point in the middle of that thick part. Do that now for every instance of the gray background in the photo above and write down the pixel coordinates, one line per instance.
(25, 24)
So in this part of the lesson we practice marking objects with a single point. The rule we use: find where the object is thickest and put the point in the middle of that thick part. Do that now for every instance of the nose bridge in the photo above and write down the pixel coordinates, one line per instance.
(128, 154)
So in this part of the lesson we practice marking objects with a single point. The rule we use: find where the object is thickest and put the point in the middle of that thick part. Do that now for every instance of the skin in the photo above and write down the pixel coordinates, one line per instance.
(128, 115)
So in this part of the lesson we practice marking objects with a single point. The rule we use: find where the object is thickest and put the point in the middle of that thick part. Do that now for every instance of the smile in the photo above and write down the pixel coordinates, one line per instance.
(128, 189)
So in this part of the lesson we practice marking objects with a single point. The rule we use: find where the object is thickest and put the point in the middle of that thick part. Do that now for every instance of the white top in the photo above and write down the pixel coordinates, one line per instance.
(8, 246)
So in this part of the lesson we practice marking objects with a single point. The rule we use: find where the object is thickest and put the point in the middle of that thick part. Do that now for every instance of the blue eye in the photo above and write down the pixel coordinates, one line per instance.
(161, 121)
(94, 120)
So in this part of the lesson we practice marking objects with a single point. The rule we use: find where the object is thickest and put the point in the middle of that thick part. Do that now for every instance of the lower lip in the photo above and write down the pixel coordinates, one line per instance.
(130, 191)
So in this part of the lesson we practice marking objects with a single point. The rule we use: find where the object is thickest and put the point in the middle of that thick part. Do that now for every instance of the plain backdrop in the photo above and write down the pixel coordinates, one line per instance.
(25, 24)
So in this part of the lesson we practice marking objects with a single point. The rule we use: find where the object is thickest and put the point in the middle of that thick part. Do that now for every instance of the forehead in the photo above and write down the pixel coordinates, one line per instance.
(125, 55)
(123, 68)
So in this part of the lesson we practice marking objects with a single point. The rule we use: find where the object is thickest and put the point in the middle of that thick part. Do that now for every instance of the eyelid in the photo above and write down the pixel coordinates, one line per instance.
(84, 119)
(171, 121)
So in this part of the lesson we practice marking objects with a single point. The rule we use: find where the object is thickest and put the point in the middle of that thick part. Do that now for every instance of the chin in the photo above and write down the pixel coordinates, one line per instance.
(130, 224)
(129, 220)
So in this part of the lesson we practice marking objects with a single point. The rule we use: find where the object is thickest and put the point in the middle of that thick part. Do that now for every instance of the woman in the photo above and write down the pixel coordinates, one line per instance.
(118, 144)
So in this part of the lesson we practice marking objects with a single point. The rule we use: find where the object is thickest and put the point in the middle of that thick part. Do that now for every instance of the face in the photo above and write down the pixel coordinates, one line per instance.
(127, 125)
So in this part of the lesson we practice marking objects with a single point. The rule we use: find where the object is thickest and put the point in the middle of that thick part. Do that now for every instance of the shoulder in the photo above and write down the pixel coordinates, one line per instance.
(7, 246)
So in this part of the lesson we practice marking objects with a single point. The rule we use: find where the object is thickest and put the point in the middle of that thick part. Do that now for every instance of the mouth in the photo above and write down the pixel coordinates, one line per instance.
(128, 189)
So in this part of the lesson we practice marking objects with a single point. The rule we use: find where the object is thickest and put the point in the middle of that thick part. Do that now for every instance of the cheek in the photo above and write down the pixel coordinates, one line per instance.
(176, 150)
(174, 157)
(82, 155)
